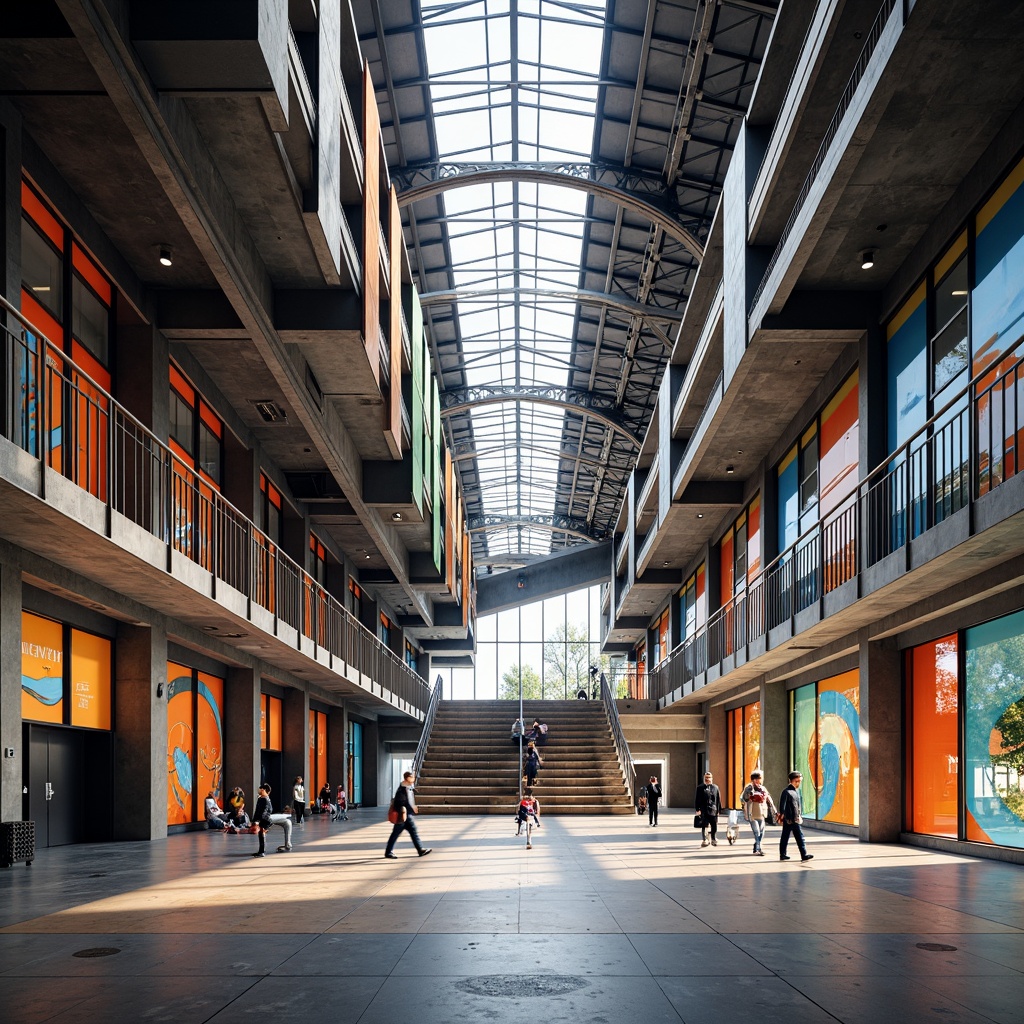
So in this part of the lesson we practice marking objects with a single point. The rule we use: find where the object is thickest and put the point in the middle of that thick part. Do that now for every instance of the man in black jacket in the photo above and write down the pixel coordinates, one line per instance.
(791, 812)
(261, 818)
(653, 793)
(405, 805)
(708, 802)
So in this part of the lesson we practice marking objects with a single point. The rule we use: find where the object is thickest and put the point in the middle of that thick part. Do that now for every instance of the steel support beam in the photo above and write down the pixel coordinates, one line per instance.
(642, 193)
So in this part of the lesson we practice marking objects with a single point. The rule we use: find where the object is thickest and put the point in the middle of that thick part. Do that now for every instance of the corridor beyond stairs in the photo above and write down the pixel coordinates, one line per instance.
(472, 766)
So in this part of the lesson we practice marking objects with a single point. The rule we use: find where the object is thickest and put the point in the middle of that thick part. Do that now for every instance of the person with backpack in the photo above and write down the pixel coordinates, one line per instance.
(758, 809)
(531, 765)
(653, 793)
(708, 802)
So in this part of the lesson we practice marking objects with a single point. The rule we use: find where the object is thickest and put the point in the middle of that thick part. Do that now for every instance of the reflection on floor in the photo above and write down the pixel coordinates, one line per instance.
(605, 919)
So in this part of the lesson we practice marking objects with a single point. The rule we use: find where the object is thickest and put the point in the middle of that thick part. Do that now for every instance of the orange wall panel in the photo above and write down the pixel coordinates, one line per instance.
(42, 669)
(90, 680)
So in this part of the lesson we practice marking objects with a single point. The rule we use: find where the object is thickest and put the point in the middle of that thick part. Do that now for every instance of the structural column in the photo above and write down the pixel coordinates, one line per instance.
(140, 773)
(775, 737)
(296, 742)
(11, 754)
(881, 741)
(242, 732)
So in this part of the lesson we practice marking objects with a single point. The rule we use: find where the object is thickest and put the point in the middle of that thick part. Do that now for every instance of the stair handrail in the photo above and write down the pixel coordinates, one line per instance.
(428, 724)
(626, 762)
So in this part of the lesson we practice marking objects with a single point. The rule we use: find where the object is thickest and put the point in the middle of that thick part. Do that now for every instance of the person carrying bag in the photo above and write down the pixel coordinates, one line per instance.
(758, 809)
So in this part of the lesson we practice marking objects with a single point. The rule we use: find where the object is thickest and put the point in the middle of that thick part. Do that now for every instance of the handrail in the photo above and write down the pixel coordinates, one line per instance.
(428, 724)
(103, 448)
(892, 504)
(863, 59)
(626, 762)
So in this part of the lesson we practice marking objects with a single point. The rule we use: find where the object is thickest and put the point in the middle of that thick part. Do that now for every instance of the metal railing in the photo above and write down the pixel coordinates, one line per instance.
(428, 724)
(964, 451)
(61, 416)
(867, 51)
(618, 737)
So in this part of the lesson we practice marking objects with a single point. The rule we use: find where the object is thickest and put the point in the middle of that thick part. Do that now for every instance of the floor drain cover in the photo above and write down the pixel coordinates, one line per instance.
(936, 947)
(513, 986)
(97, 951)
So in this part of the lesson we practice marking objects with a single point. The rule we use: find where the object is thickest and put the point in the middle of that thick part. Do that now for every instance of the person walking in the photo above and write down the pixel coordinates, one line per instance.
(532, 765)
(405, 805)
(653, 793)
(758, 809)
(261, 818)
(708, 802)
(299, 801)
(791, 812)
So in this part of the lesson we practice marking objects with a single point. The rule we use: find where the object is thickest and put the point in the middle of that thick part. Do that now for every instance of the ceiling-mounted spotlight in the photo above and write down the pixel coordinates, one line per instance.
(166, 257)
(730, 469)
(396, 517)
(867, 260)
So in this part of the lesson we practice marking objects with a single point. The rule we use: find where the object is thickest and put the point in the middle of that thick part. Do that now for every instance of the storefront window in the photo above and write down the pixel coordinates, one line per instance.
(195, 741)
(994, 731)
(932, 761)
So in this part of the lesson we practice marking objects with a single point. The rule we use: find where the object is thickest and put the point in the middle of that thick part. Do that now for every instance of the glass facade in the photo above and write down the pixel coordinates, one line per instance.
(548, 645)
(994, 731)
(743, 733)
(932, 738)
(825, 747)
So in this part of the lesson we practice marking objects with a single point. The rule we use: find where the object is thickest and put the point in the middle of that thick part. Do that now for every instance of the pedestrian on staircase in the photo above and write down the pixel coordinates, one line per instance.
(532, 765)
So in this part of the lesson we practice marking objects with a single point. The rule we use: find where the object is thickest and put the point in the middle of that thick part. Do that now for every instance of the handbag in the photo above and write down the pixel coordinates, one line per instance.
(769, 817)
(392, 813)
(698, 821)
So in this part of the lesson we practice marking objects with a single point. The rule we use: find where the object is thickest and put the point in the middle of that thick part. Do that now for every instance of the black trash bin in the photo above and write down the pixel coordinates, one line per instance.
(17, 842)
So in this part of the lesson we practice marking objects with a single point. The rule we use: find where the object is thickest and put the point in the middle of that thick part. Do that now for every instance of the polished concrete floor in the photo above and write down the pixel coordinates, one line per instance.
(604, 920)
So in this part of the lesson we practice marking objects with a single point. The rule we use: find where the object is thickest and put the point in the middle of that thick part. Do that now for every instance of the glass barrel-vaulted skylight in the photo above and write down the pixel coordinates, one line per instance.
(515, 80)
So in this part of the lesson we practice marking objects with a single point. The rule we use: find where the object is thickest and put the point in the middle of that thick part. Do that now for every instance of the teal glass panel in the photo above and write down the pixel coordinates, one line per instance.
(994, 732)
(907, 398)
(997, 303)
(803, 743)
(788, 506)
(357, 762)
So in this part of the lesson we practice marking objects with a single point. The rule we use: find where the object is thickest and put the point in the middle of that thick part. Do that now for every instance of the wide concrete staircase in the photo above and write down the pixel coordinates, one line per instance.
(472, 767)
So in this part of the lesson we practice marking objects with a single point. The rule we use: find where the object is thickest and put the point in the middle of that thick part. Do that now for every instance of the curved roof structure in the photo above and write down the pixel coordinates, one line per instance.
(559, 163)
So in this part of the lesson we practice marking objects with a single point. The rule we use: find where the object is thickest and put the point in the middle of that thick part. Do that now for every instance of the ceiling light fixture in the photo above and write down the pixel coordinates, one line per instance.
(867, 260)
(730, 469)
(166, 257)
(396, 517)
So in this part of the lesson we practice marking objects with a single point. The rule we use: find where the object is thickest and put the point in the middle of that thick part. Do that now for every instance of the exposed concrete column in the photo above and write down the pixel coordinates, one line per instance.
(715, 740)
(775, 737)
(242, 732)
(337, 746)
(11, 776)
(371, 764)
(140, 771)
(881, 735)
(295, 738)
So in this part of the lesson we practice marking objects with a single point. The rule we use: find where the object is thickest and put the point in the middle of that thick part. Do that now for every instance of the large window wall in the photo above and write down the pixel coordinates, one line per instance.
(743, 749)
(825, 747)
(548, 646)
(965, 706)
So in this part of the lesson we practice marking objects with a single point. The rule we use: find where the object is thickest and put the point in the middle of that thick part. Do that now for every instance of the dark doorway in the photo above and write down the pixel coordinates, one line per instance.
(68, 779)
(270, 772)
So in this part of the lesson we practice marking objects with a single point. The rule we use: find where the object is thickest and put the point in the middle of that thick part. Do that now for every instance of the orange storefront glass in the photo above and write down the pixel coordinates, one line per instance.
(42, 669)
(209, 735)
(743, 736)
(181, 804)
(90, 680)
(933, 760)
(271, 722)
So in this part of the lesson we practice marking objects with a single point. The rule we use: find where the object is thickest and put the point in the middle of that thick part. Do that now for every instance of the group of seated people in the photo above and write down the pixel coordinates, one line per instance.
(234, 819)
(537, 733)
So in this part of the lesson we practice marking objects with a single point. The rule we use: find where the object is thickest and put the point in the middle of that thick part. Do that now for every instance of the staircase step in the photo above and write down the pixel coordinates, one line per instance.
(472, 767)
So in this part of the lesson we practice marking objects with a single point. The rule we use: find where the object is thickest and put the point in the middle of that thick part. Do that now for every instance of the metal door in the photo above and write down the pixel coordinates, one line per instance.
(56, 785)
